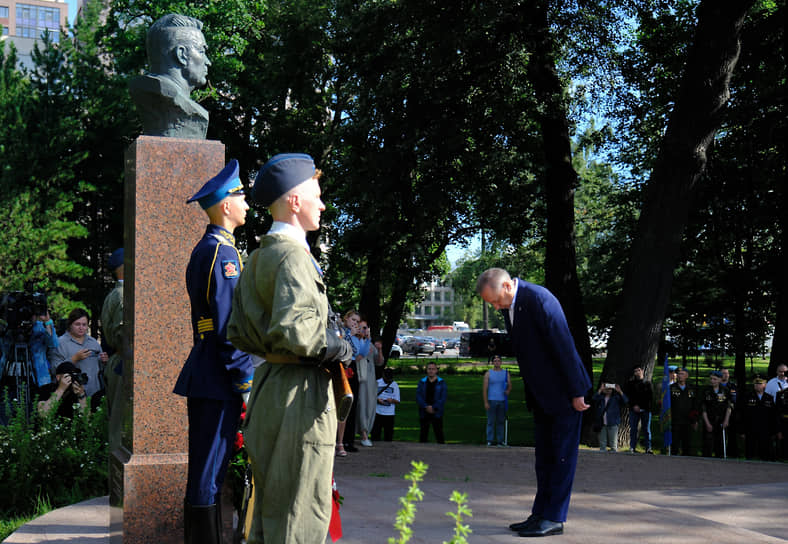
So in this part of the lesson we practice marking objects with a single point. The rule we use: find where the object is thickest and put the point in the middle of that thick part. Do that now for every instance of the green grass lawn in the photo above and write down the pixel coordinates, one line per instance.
(465, 419)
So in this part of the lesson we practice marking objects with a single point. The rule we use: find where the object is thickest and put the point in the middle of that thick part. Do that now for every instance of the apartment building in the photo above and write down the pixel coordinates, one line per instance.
(25, 21)
(437, 308)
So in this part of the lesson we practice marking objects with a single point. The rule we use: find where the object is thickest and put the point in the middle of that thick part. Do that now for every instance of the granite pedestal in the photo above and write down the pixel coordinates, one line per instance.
(148, 471)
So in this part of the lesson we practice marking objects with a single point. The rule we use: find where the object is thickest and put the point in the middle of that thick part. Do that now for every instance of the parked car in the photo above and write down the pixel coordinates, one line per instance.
(396, 352)
(418, 344)
(440, 345)
(452, 343)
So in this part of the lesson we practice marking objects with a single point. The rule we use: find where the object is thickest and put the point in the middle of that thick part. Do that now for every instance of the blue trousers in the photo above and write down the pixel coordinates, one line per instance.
(212, 428)
(644, 418)
(557, 442)
(496, 416)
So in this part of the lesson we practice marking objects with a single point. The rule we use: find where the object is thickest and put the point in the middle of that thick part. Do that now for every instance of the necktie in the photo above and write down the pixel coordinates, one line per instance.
(507, 320)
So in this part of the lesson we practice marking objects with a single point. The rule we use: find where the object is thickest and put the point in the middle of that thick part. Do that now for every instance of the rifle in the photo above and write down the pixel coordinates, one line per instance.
(343, 394)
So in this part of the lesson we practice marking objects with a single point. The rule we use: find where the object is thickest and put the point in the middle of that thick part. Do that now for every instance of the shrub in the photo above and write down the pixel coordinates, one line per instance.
(48, 458)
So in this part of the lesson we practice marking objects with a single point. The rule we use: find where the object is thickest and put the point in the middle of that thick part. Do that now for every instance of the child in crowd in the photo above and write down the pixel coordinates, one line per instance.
(388, 398)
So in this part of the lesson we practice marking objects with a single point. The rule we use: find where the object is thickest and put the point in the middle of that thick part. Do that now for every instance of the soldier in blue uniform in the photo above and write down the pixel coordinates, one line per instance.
(215, 375)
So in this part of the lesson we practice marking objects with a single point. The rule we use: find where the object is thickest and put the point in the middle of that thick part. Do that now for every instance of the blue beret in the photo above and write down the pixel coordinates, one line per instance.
(672, 368)
(682, 369)
(219, 187)
(280, 174)
(116, 259)
(716, 373)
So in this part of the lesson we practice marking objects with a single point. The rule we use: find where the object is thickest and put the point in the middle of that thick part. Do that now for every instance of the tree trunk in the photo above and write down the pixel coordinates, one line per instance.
(369, 305)
(396, 307)
(703, 92)
(560, 182)
(779, 353)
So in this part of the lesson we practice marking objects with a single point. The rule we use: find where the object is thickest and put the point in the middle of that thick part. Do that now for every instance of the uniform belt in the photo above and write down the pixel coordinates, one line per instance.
(287, 359)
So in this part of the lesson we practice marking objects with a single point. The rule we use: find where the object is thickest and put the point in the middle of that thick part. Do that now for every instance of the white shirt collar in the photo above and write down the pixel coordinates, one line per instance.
(511, 307)
(291, 231)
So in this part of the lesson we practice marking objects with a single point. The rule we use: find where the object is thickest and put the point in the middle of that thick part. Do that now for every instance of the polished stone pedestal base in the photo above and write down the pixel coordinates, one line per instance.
(148, 472)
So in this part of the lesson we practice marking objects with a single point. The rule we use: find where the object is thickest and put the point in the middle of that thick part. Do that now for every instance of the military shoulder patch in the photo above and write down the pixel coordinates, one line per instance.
(230, 269)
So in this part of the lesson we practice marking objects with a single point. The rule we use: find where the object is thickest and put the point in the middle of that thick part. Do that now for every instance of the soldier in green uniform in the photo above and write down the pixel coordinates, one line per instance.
(280, 313)
(716, 408)
(112, 342)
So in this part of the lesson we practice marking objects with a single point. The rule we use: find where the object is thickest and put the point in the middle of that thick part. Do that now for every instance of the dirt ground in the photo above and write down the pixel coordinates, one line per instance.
(597, 472)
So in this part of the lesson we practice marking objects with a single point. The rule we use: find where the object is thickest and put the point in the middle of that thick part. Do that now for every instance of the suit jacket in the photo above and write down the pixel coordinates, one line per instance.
(545, 351)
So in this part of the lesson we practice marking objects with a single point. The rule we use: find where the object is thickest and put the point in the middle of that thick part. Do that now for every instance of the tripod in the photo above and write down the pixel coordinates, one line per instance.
(18, 377)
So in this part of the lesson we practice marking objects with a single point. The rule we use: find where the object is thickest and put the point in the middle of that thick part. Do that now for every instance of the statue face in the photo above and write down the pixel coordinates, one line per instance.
(193, 56)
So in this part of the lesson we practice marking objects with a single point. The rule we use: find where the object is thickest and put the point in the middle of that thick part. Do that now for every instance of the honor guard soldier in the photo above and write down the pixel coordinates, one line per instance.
(758, 417)
(281, 313)
(215, 375)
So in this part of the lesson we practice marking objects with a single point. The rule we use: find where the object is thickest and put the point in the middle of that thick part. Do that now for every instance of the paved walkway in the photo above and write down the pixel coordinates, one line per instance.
(618, 498)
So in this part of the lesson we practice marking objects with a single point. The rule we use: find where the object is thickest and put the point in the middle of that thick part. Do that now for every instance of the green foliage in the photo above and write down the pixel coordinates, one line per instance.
(48, 458)
(461, 530)
(407, 513)
(9, 525)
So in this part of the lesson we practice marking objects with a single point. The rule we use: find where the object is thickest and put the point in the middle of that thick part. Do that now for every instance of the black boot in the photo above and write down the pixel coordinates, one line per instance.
(202, 524)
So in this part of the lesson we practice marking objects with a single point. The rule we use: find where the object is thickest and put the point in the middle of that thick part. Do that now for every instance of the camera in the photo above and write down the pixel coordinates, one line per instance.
(17, 308)
(80, 378)
(610, 386)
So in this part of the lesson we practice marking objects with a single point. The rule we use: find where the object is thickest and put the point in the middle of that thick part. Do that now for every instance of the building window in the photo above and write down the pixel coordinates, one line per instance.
(4, 12)
(428, 310)
(33, 21)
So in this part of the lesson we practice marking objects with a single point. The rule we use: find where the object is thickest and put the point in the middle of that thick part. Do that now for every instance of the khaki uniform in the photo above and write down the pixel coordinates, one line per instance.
(280, 307)
(112, 328)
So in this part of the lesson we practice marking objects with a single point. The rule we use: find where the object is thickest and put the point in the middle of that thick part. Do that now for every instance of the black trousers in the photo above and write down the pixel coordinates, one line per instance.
(437, 427)
(681, 439)
(385, 424)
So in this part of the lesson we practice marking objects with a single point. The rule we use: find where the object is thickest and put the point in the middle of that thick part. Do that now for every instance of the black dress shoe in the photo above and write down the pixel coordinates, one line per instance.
(545, 527)
(532, 520)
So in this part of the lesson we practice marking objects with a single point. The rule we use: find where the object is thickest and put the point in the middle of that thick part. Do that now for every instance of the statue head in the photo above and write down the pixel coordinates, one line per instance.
(176, 47)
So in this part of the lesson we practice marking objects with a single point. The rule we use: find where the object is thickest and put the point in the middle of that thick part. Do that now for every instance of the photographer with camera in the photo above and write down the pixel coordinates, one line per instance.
(68, 390)
(77, 347)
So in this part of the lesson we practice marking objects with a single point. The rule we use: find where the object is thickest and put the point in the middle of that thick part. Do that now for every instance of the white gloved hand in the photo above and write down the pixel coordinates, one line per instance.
(245, 397)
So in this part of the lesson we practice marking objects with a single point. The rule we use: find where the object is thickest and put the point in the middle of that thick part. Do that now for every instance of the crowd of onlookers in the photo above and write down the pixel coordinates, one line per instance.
(719, 415)
(72, 371)
(725, 414)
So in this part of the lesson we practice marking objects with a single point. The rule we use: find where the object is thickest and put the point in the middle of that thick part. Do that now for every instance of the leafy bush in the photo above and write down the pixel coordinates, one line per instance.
(48, 458)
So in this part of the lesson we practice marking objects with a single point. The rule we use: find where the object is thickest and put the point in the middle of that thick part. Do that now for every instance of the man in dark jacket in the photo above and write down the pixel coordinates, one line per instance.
(641, 397)
(556, 382)
(431, 398)
(684, 412)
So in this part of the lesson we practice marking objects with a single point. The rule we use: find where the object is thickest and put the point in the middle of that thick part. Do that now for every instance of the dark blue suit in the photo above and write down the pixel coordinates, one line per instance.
(553, 375)
(215, 373)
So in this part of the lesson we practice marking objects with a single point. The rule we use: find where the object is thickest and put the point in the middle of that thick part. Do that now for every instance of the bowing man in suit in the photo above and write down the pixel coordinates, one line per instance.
(555, 385)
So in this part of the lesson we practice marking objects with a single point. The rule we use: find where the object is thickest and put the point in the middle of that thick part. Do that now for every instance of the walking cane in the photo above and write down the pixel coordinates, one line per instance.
(724, 444)
(506, 431)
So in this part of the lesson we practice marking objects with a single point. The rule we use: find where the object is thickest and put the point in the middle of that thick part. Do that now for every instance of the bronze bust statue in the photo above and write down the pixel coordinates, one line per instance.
(178, 64)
